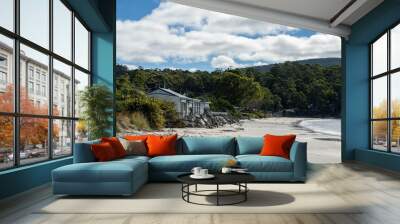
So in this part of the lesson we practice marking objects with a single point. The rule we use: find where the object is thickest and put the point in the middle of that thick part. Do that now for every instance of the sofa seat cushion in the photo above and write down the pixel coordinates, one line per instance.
(257, 163)
(133, 157)
(185, 163)
(112, 171)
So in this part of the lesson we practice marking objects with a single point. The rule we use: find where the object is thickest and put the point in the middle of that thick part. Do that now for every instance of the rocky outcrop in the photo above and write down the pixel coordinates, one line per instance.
(209, 120)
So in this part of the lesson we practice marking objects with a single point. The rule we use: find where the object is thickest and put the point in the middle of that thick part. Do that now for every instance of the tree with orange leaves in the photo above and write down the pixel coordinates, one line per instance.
(33, 131)
(6, 122)
(380, 127)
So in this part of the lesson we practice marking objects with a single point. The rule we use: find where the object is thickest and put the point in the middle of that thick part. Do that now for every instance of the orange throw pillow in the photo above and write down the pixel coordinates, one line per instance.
(116, 145)
(277, 145)
(161, 145)
(103, 152)
(136, 137)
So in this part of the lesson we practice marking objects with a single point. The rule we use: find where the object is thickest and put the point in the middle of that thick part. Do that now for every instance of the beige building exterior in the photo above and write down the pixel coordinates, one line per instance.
(184, 105)
(34, 79)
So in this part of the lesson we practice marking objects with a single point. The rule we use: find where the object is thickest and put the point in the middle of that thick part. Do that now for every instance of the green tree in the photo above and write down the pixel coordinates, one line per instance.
(97, 102)
(308, 89)
(238, 90)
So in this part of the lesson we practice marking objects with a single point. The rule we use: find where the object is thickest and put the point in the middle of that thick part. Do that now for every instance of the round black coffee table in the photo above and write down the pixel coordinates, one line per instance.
(238, 179)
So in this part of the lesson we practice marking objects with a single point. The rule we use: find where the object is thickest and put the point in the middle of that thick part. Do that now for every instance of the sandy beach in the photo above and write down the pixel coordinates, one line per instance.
(322, 147)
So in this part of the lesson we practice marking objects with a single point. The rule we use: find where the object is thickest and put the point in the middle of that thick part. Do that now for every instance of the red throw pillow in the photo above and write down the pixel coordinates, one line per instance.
(136, 137)
(161, 145)
(277, 145)
(116, 145)
(103, 152)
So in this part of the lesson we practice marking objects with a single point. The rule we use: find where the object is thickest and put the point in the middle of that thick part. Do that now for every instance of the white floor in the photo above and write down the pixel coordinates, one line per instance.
(377, 190)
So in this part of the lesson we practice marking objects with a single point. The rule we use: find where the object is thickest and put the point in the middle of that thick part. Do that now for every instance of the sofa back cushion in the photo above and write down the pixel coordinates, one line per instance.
(249, 145)
(83, 152)
(207, 145)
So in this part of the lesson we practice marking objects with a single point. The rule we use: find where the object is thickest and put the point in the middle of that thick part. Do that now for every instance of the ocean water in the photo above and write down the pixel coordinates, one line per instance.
(326, 126)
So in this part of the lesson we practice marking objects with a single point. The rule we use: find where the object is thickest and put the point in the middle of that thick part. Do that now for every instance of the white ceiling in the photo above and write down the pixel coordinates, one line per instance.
(321, 9)
(317, 15)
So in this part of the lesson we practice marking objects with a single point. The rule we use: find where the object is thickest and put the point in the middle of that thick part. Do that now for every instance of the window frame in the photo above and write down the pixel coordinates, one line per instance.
(388, 74)
(16, 114)
(3, 70)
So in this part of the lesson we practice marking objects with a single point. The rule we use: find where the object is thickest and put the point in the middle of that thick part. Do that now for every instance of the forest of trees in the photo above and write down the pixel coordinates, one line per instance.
(305, 90)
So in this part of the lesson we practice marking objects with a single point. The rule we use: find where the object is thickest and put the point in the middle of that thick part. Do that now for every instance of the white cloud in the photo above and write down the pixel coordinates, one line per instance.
(286, 48)
(131, 67)
(224, 62)
(182, 34)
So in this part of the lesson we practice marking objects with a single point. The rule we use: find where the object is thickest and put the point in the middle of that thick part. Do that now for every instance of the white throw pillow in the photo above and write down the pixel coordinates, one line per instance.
(134, 147)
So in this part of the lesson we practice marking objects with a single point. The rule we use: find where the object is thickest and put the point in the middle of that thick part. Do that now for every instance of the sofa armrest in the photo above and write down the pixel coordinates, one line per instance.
(83, 152)
(298, 155)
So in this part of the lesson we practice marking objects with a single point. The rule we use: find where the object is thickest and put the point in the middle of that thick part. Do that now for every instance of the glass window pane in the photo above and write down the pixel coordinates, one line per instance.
(395, 47)
(34, 97)
(81, 45)
(62, 89)
(35, 21)
(33, 140)
(7, 14)
(395, 95)
(6, 142)
(6, 74)
(395, 136)
(379, 55)
(62, 29)
(81, 131)
(379, 97)
(379, 135)
(62, 138)
(81, 82)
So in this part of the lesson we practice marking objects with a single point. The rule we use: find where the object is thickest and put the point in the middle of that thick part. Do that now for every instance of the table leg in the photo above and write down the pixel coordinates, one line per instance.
(245, 193)
(188, 189)
(217, 194)
(195, 188)
(182, 188)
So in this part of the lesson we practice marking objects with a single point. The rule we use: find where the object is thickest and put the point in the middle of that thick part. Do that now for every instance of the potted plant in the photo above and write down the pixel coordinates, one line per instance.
(96, 102)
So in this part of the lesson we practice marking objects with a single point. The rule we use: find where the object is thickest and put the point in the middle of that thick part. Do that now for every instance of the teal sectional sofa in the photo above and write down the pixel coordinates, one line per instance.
(125, 176)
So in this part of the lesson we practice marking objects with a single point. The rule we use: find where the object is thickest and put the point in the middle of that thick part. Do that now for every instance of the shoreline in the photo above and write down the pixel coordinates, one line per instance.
(294, 122)
(301, 124)
(322, 147)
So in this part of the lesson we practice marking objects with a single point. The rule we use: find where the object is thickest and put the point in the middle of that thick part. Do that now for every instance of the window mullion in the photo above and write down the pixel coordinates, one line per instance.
(50, 81)
(371, 98)
(16, 85)
(73, 81)
(389, 104)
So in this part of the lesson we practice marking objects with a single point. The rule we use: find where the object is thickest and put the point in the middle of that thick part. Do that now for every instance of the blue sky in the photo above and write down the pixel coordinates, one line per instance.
(135, 10)
(160, 34)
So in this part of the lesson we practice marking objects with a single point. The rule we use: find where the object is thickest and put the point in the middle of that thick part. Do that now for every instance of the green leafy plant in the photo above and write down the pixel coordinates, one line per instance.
(96, 102)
